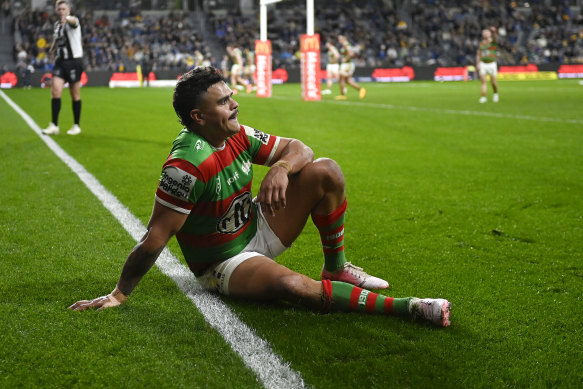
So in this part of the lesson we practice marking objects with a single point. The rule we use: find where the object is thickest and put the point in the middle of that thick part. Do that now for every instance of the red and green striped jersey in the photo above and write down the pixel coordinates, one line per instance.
(488, 51)
(213, 186)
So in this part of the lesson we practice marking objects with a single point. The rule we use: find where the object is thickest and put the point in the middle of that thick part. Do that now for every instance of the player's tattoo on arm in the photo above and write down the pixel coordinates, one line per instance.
(137, 265)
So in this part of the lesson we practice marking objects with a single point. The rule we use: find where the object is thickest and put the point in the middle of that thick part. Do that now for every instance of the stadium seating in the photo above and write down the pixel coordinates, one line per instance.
(422, 32)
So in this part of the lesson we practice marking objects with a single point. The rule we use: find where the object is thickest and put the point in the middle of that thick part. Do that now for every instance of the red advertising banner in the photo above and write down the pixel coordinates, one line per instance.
(404, 74)
(310, 66)
(459, 73)
(571, 71)
(8, 80)
(263, 68)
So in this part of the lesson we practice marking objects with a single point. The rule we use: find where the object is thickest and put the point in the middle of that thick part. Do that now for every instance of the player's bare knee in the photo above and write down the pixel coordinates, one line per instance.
(330, 174)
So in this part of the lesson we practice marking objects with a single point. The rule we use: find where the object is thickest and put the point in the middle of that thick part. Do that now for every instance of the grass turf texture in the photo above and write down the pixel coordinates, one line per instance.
(480, 204)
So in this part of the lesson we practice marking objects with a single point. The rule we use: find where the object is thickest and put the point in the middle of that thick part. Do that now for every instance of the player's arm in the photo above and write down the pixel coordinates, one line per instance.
(52, 47)
(290, 158)
(478, 58)
(71, 20)
(164, 223)
(494, 31)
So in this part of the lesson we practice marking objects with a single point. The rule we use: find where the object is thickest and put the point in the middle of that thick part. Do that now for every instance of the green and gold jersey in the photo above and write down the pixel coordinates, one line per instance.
(346, 53)
(250, 57)
(333, 55)
(236, 56)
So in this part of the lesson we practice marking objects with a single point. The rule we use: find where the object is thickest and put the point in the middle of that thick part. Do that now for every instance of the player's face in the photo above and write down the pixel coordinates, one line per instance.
(219, 112)
(63, 10)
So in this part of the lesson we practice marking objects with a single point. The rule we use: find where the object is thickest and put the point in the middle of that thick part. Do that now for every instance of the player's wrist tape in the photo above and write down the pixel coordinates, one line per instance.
(285, 165)
(118, 295)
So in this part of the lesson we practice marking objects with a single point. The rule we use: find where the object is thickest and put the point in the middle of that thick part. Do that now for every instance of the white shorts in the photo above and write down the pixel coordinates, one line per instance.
(347, 69)
(236, 69)
(249, 70)
(264, 243)
(332, 69)
(488, 68)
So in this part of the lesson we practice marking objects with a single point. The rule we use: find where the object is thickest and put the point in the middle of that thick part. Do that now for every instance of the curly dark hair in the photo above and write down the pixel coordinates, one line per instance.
(189, 89)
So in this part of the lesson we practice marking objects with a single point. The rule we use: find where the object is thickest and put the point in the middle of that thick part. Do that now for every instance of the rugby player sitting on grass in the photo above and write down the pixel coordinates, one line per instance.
(228, 238)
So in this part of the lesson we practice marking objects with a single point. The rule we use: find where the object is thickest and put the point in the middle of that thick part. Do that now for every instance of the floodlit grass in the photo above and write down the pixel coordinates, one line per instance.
(478, 203)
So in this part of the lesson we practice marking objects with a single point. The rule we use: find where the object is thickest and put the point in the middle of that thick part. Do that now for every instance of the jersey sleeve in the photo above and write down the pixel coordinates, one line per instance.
(262, 146)
(76, 22)
(177, 188)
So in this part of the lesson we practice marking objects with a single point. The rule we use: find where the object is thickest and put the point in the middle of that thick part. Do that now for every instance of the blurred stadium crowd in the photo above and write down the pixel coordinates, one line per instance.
(415, 32)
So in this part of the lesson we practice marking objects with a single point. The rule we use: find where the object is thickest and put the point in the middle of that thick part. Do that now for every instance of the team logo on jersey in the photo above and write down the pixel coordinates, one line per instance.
(231, 180)
(218, 185)
(199, 145)
(237, 215)
(263, 137)
(246, 167)
(176, 182)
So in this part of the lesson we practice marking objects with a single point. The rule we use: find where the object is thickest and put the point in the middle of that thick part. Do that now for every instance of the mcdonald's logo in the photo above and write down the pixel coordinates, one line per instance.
(262, 47)
(310, 43)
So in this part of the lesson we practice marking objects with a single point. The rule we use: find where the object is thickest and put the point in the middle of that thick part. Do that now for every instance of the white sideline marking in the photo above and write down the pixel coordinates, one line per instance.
(446, 111)
(256, 353)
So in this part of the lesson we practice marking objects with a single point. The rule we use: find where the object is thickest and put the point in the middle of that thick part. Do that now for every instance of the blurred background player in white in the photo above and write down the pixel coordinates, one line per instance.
(486, 63)
(249, 70)
(347, 68)
(332, 67)
(237, 80)
(68, 66)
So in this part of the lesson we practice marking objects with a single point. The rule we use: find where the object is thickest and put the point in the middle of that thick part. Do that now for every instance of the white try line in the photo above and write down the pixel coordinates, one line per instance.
(256, 353)
(445, 111)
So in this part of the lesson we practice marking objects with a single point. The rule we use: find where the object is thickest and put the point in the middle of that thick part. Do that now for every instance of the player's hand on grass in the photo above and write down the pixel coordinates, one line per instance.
(113, 299)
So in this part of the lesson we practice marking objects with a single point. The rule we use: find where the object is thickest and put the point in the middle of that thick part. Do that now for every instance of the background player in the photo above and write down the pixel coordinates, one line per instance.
(68, 66)
(237, 80)
(249, 70)
(486, 63)
(347, 68)
(332, 67)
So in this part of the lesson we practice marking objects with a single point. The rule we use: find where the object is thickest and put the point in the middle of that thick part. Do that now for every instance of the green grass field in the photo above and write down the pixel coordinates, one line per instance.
(481, 204)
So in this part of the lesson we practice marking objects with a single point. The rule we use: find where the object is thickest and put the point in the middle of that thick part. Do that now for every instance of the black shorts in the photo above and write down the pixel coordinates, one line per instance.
(69, 70)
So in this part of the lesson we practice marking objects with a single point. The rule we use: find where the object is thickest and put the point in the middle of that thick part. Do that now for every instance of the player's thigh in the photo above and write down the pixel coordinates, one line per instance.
(261, 278)
(493, 72)
(305, 191)
(57, 85)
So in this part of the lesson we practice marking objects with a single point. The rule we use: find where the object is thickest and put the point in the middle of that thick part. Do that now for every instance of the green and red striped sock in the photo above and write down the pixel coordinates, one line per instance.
(331, 228)
(343, 297)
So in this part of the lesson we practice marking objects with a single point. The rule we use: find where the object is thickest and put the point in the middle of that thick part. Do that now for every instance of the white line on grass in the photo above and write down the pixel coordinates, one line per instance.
(446, 111)
(256, 353)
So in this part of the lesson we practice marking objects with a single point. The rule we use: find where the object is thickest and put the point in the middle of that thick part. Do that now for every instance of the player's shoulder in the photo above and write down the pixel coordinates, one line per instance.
(191, 147)
(255, 135)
